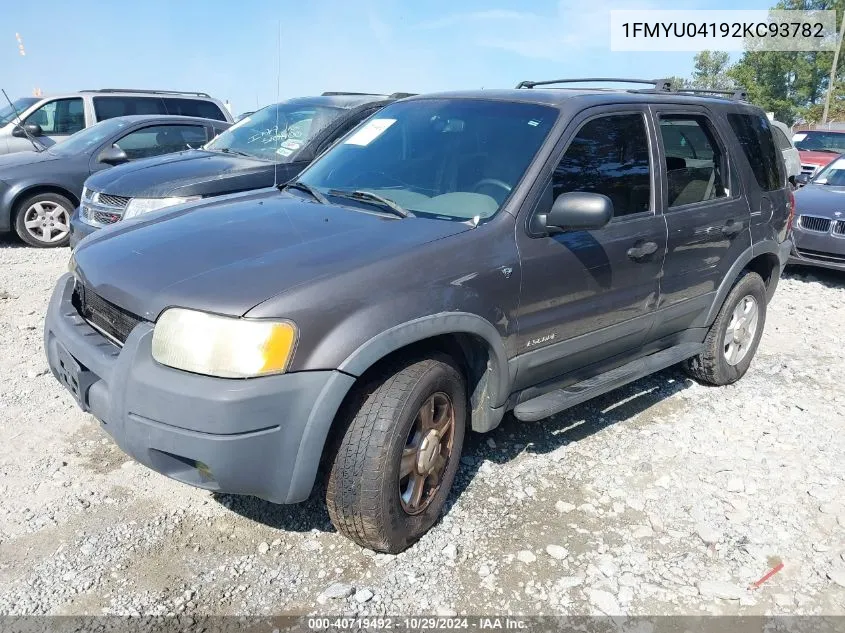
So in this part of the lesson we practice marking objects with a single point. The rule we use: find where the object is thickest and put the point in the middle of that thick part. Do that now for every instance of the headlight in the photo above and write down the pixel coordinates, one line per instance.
(222, 346)
(139, 206)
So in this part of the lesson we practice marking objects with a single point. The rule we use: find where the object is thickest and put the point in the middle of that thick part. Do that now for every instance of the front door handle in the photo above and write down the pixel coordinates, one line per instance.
(731, 228)
(642, 250)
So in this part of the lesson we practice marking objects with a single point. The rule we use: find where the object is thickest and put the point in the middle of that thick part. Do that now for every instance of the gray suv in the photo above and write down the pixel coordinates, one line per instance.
(456, 257)
(29, 122)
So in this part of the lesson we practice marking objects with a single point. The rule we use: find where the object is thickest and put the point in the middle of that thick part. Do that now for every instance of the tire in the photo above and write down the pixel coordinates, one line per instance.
(48, 216)
(364, 484)
(721, 362)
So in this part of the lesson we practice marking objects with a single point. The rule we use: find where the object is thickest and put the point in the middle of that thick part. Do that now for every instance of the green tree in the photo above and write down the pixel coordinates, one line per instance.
(710, 71)
(790, 84)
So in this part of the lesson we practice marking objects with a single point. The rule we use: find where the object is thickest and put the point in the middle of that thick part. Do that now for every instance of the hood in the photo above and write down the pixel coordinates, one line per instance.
(190, 173)
(816, 158)
(227, 257)
(821, 200)
(22, 159)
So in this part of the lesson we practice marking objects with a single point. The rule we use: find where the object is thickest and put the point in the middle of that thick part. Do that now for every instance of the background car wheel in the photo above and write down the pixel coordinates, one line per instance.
(734, 336)
(43, 220)
(396, 462)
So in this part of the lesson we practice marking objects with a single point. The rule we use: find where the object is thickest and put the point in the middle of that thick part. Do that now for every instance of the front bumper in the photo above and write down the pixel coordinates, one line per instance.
(815, 248)
(259, 436)
(79, 229)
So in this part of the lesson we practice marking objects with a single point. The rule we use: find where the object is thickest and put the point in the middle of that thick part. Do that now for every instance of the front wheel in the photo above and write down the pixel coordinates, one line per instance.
(734, 336)
(43, 220)
(396, 462)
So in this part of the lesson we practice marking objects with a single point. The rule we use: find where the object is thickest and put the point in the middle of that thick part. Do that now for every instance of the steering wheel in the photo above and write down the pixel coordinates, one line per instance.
(495, 182)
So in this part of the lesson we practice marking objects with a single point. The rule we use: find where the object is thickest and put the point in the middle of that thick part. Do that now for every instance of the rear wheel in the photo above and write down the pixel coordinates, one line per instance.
(43, 220)
(396, 462)
(734, 336)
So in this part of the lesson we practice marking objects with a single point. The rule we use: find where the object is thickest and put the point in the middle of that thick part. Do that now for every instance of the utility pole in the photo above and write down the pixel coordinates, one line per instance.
(833, 70)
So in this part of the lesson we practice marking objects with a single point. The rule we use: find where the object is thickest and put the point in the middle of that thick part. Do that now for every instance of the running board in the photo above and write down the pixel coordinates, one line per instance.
(561, 399)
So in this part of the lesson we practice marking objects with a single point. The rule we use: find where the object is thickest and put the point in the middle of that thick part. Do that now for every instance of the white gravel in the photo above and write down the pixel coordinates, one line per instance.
(664, 497)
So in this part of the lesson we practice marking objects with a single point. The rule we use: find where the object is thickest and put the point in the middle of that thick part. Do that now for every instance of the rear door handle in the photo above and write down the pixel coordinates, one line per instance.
(731, 228)
(642, 250)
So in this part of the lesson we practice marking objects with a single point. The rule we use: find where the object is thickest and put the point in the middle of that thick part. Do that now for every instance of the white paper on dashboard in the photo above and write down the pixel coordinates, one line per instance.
(371, 131)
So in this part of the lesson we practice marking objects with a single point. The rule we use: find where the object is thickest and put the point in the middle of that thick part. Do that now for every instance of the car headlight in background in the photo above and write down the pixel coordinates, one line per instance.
(225, 347)
(139, 206)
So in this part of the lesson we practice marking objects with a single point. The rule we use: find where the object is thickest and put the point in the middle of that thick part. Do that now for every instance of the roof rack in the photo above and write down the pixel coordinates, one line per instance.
(352, 94)
(740, 94)
(152, 92)
(657, 85)
(660, 85)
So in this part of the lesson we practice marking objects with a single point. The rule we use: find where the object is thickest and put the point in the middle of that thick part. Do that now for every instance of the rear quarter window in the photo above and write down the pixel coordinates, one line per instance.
(780, 138)
(194, 107)
(755, 137)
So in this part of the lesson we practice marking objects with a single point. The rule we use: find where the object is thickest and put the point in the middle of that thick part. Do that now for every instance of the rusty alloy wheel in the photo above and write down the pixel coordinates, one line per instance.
(426, 453)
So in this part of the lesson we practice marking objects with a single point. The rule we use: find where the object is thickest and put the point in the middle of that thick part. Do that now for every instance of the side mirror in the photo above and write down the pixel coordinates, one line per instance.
(579, 211)
(801, 179)
(112, 156)
(33, 129)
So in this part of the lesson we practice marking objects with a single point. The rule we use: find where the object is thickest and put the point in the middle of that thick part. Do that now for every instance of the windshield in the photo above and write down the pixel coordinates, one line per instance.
(7, 112)
(89, 137)
(447, 158)
(275, 132)
(833, 174)
(820, 141)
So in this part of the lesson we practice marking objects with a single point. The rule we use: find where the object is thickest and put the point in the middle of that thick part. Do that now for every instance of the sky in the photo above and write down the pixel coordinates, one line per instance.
(256, 52)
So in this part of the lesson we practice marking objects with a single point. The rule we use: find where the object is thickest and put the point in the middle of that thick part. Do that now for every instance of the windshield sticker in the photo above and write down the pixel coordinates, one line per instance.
(533, 123)
(798, 137)
(288, 147)
(369, 132)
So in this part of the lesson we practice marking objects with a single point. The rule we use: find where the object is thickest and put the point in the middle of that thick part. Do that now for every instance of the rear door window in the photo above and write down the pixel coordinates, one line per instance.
(194, 107)
(696, 167)
(754, 134)
(110, 107)
(161, 139)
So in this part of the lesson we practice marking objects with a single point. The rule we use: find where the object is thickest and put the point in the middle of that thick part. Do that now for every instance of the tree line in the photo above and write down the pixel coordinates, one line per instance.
(793, 85)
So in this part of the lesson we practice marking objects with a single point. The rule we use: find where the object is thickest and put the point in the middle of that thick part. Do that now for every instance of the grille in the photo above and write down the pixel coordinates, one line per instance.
(839, 227)
(821, 256)
(111, 320)
(100, 217)
(812, 223)
(810, 170)
(118, 202)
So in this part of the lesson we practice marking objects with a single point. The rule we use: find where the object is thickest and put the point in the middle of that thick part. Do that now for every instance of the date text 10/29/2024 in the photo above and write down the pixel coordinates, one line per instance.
(422, 623)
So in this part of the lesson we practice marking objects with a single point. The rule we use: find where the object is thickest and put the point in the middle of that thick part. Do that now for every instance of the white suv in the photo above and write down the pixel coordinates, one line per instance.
(783, 139)
(52, 119)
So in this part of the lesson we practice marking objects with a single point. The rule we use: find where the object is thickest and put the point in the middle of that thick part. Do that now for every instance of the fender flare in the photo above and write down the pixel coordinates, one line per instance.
(755, 250)
(425, 327)
(20, 190)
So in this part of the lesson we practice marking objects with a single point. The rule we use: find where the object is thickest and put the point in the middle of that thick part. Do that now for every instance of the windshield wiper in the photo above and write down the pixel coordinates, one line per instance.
(226, 150)
(301, 186)
(369, 196)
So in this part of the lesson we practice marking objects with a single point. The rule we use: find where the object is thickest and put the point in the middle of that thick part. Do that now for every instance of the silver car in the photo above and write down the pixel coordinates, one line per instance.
(819, 226)
(51, 120)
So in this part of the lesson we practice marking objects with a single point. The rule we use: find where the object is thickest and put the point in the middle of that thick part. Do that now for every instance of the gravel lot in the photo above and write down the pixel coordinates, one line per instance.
(664, 497)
